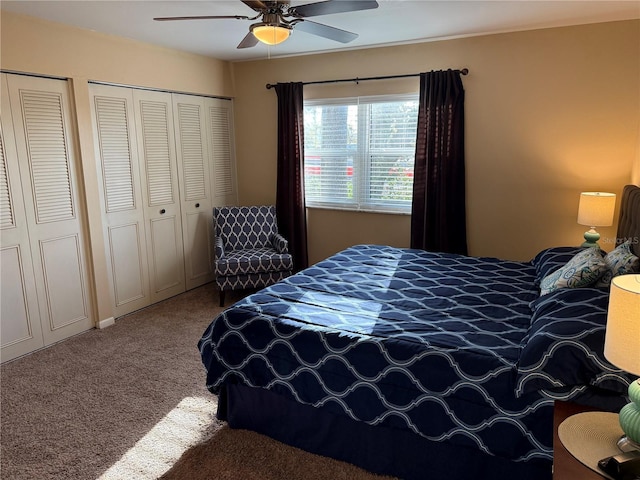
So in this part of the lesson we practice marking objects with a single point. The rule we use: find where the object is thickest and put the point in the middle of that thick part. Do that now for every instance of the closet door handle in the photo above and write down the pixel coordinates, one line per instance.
(197, 205)
(163, 211)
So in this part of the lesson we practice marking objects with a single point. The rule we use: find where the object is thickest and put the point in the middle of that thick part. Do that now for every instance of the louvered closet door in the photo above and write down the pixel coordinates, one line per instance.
(221, 146)
(195, 193)
(20, 329)
(45, 149)
(159, 174)
(121, 196)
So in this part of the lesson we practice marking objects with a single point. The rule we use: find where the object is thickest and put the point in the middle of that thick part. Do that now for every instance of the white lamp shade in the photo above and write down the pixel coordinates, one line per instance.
(622, 339)
(596, 209)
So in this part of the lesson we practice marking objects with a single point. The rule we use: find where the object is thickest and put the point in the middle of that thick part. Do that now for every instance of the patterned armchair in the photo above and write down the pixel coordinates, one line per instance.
(249, 251)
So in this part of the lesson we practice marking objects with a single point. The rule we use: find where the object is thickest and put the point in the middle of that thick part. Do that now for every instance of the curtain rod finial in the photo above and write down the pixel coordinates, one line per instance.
(269, 86)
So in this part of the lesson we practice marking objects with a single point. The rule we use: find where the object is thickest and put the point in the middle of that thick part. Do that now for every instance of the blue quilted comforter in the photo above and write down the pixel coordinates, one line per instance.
(396, 337)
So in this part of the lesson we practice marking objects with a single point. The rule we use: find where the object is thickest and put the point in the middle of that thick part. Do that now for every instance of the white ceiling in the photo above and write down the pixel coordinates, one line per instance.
(394, 22)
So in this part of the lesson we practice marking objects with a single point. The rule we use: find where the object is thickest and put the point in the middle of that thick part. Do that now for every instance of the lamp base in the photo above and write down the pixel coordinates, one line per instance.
(630, 418)
(591, 238)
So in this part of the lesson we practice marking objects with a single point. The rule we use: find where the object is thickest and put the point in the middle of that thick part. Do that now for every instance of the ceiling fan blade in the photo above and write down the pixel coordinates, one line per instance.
(256, 5)
(202, 17)
(332, 6)
(248, 41)
(325, 31)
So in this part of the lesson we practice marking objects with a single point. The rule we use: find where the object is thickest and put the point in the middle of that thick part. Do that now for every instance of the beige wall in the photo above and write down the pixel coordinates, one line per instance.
(33, 46)
(549, 113)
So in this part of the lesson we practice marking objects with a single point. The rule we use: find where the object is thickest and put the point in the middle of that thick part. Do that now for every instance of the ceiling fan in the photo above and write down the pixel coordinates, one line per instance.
(279, 18)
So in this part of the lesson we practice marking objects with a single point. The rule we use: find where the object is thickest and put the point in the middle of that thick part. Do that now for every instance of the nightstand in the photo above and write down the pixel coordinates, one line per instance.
(565, 466)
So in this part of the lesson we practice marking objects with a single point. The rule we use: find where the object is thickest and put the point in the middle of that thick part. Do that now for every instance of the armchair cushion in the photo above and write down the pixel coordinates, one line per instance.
(253, 260)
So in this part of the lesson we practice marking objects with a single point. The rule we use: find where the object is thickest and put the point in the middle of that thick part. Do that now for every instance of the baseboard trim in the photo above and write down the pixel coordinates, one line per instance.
(107, 322)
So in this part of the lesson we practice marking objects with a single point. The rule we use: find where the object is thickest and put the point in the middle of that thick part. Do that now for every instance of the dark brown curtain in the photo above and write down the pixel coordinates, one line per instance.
(290, 206)
(438, 216)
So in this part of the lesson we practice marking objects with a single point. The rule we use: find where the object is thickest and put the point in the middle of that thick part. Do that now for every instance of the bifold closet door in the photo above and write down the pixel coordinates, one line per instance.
(194, 173)
(121, 197)
(160, 193)
(140, 194)
(19, 314)
(42, 147)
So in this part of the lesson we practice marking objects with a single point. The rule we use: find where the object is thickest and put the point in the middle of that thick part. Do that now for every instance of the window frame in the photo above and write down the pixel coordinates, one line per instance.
(362, 165)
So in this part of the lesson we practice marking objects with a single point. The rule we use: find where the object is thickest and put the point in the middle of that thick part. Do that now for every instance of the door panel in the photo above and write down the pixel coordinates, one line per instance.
(20, 327)
(16, 325)
(199, 259)
(121, 196)
(19, 317)
(45, 147)
(194, 174)
(159, 172)
(63, 281)
(168, 259)
(128, 265)
(48, 155)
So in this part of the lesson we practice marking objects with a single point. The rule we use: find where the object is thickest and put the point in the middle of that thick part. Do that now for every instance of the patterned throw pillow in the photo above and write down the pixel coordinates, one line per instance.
(551, 259)
(583, 270)
(619, 261)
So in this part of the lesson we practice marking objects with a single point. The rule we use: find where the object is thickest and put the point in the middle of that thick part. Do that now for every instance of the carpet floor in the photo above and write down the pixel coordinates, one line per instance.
(129, 402)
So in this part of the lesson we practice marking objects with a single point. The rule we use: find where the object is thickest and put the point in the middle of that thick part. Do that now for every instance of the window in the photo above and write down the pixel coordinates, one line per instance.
(359, 152)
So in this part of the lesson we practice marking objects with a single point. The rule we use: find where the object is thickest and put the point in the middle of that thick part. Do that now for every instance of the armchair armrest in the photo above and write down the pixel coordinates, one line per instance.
(219, 250)
(279, 243)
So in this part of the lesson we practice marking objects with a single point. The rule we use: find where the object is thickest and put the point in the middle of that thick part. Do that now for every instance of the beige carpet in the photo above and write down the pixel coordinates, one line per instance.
(129, 402)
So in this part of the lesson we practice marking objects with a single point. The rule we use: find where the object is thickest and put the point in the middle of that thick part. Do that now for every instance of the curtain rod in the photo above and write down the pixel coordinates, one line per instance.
(464, 71)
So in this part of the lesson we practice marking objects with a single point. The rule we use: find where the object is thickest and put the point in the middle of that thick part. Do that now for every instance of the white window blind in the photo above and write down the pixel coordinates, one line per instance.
(359, 152)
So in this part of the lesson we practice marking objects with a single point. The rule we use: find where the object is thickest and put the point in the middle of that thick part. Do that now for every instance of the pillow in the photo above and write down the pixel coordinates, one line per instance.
(564, 348)
(583, 270)
(619, 261)
(551, 259)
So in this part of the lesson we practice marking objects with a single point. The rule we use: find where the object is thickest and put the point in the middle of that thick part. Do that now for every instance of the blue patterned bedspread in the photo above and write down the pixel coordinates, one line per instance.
(396, 337)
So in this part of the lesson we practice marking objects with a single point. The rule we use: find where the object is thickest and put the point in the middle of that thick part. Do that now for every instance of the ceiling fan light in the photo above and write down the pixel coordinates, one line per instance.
(271, 34)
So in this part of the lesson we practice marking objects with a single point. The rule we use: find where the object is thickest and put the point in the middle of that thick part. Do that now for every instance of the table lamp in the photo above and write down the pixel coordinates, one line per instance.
(595, 210)
(622, 348)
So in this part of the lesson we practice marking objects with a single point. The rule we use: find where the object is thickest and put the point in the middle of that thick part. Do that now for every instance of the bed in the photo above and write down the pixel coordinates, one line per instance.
(419, 364)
